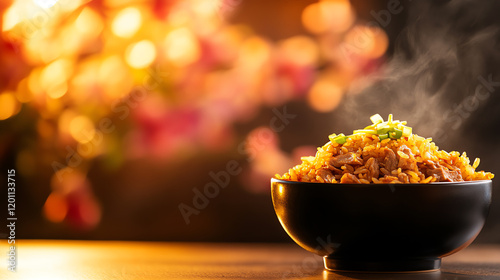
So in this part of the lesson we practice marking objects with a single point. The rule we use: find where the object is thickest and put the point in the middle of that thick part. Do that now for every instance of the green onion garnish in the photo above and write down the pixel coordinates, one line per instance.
(392, 129)
(383, 136)
(341, 138)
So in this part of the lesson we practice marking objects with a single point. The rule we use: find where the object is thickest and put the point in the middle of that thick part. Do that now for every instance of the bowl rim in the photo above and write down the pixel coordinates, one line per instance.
(275, 180)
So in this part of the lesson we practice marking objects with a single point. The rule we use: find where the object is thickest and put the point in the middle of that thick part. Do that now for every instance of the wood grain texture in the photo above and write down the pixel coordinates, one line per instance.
(57, 259)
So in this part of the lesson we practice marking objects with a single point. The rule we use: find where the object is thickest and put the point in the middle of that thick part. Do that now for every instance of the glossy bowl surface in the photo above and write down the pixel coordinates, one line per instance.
(386, 227)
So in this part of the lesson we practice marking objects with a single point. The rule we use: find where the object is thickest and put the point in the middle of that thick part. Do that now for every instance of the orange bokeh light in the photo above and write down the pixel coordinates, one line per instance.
(55, 208)
(368, 41)
(141, 54)
(9, 105)
(127, 22)
(82, 129)
(181, 47)
(330, 15)
(301, 50)
(324, 96)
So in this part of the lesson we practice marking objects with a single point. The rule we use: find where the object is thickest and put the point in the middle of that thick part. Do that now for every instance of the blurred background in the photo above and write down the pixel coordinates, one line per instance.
(165, 120)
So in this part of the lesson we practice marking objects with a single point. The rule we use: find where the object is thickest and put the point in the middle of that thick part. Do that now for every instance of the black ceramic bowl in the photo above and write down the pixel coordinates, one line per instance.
(396, 227)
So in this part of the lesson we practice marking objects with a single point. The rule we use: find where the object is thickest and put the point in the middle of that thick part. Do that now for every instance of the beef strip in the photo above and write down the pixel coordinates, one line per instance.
(373, 168)
(406, 163)
(325, 174)
(442, 173)
(390, 160)
(335, 170)
(348, 158)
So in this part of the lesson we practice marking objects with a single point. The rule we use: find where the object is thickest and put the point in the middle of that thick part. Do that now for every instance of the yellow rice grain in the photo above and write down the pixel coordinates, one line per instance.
(476, 163)
(426, 180)
(360, 170)
(403, 155)
(318, 178)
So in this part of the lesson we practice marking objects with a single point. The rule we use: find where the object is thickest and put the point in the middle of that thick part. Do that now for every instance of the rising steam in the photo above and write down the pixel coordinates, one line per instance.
(445, 53)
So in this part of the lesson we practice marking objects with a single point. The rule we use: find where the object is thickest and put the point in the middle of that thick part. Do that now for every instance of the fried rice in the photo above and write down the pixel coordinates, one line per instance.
(384, 152)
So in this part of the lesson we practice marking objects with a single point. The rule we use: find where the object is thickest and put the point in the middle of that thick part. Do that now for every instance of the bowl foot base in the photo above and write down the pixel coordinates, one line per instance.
(419, 265)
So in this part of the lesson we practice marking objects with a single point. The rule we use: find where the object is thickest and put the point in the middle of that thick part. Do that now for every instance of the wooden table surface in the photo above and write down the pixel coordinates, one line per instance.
(57, 259)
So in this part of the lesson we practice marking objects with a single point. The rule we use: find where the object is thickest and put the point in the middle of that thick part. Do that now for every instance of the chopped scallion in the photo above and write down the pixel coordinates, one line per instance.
(393, 129)
(341, 139)
(383, 130)
(383, 136)
(398, 133)
(376, 119)
(406, 131)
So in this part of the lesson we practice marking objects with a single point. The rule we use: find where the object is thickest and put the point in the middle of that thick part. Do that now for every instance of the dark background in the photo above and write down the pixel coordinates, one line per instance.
(437, 50)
